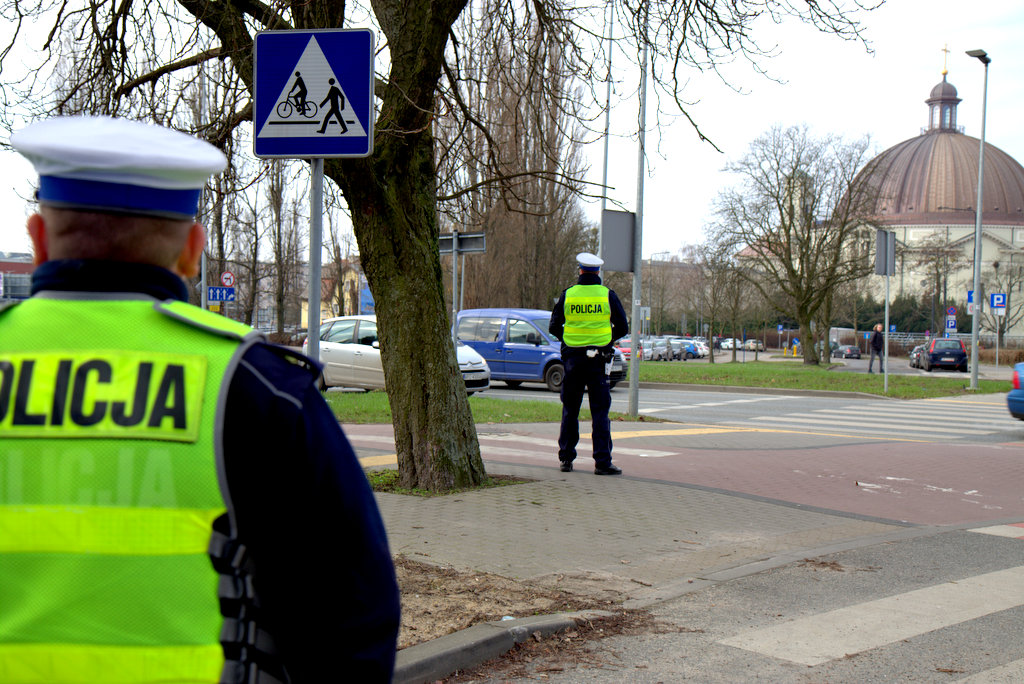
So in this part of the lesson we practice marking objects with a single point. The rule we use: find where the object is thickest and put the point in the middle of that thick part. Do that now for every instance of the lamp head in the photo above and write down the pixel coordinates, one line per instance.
(981, 55)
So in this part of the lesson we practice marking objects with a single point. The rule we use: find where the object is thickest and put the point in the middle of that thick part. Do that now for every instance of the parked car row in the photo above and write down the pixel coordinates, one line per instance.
(665, 348)
(350, 355)
(751, 344)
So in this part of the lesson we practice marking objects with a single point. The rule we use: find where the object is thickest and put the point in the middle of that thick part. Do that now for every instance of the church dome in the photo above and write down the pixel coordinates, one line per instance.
(943, 90)
(933, 178)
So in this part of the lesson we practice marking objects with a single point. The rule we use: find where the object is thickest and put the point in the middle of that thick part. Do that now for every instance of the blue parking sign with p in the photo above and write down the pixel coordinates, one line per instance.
(997, 300)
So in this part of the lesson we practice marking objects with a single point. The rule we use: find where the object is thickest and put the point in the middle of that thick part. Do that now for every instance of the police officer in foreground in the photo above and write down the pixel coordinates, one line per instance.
(177, 501)
(587, 319)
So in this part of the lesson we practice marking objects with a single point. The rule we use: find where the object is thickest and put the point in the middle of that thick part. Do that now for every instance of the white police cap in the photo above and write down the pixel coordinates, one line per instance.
(589, 261)
(98, 163)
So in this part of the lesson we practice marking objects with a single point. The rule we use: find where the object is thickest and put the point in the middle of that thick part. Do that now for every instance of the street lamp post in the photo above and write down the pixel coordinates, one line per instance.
(986, 60)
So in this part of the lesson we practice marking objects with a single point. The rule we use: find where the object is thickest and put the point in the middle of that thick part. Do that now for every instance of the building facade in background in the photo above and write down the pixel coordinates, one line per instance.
(927, 193)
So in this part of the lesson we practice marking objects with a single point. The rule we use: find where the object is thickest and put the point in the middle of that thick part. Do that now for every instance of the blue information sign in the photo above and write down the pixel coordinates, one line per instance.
(313, 93)
(220, 294)
(997, 300)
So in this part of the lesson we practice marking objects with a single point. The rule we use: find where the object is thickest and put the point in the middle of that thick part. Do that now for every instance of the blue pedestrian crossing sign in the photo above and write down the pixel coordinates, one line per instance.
(313, 93)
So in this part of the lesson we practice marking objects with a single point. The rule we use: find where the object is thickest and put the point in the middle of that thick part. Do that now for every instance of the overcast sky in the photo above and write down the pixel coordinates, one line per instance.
(833, 86)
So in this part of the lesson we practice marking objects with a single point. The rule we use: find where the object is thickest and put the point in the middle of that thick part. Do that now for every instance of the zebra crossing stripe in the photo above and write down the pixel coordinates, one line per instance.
(1014, 531)
(817, 639)
(1010, 673)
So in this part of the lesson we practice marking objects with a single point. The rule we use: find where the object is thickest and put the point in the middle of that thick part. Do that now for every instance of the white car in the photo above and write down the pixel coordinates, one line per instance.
(350, 355)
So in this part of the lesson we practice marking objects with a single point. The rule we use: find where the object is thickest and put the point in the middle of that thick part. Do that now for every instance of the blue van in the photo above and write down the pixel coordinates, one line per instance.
(518, 348)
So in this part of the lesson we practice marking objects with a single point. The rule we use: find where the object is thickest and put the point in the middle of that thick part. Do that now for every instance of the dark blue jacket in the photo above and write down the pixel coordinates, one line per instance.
(304, 510)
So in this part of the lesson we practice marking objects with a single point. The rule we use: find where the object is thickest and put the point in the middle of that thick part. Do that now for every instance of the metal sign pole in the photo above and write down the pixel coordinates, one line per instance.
(638, 241)
(455, 286)
(316, 212)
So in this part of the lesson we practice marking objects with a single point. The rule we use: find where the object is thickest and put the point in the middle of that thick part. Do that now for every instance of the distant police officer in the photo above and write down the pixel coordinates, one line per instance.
(142, 438)
(587, 319)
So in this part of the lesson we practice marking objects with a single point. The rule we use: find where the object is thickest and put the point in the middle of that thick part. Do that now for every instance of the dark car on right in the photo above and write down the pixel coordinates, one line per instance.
(944, 352)
(846, 351)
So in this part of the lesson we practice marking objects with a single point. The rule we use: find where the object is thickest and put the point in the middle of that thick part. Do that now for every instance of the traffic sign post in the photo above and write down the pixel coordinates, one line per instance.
(313, 98)
(998, 302)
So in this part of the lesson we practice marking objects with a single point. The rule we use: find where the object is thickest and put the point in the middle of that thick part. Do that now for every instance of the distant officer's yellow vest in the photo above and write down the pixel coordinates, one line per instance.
(588, 316)
(108, 488)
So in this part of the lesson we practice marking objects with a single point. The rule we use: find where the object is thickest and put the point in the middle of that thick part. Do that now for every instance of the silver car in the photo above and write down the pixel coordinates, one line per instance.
(350, 355)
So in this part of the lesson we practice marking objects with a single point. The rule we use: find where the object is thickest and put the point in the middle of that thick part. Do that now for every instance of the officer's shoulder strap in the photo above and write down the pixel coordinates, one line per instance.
(207, 320)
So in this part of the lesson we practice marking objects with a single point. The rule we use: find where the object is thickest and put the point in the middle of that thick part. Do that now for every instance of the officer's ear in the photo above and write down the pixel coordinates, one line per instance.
(40, 242)
(187, 265)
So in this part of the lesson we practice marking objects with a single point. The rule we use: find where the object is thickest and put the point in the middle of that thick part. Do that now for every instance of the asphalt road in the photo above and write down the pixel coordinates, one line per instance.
(946, 606)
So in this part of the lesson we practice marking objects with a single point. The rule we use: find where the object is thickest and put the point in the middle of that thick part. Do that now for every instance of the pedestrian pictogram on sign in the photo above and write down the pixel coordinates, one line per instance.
(313, 94)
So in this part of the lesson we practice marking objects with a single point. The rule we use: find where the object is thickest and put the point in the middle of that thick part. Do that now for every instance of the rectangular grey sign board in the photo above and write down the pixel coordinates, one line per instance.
(617, 229)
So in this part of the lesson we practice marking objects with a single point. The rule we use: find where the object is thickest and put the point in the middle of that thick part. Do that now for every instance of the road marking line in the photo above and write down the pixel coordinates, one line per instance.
(1000, 419)
(862, 425)
(1010, 673)
(379, 460)
(737, 401)
(678, 431)
(820, 638)
(1015, 531)
(900, 417)
(964, 401)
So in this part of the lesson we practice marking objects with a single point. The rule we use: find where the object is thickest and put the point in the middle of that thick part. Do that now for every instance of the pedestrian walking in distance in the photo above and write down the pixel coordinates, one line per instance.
(877, 345)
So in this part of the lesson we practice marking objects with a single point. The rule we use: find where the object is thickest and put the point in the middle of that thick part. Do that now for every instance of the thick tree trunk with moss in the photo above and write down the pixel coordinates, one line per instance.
(396, 226)
(392, 198)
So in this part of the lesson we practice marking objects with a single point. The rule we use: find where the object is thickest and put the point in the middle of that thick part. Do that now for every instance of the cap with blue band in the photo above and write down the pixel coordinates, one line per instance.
(97, 163)
(589, 262)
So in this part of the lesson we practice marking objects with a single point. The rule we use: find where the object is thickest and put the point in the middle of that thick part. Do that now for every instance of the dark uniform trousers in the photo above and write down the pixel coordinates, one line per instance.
(585, 374)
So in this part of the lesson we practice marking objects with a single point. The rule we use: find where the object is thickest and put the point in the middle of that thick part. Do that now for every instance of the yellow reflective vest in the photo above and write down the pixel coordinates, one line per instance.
(588, 316)
(108, 487)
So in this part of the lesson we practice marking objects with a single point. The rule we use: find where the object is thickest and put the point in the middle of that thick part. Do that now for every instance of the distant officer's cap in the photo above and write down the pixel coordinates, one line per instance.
(97, 163)
(589, 262)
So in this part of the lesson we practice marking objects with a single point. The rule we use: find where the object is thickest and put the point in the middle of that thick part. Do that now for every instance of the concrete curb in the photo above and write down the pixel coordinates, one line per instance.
(438, 658)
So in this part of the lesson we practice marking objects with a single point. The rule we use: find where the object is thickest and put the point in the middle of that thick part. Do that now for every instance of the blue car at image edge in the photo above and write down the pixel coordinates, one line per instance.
(1015, 399)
